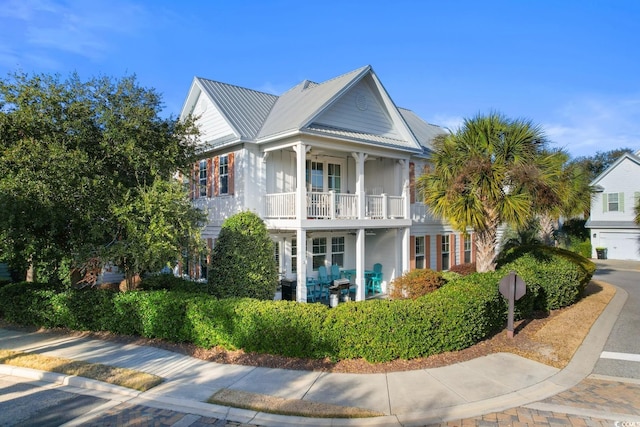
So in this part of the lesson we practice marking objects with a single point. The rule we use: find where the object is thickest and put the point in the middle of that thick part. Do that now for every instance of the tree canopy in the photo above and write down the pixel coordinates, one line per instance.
(493, 170)
(77, 158)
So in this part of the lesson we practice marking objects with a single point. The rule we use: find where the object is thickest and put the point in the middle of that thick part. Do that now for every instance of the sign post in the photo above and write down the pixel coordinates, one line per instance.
(512, 288)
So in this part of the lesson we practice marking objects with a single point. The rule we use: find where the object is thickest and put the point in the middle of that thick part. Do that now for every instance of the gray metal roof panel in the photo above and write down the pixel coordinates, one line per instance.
(299, 104)
(423, 131)
(245, 109)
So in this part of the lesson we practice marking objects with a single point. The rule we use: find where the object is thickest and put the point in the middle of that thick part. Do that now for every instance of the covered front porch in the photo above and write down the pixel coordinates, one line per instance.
(348, 253)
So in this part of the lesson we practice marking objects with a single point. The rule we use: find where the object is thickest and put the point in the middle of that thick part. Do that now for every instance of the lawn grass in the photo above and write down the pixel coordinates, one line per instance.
(124, 377)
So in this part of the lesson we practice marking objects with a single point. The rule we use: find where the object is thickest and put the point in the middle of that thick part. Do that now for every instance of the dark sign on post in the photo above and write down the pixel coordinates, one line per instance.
(512, 288)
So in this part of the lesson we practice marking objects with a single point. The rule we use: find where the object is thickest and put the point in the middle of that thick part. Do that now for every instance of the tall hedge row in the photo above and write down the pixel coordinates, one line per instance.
(464, 311)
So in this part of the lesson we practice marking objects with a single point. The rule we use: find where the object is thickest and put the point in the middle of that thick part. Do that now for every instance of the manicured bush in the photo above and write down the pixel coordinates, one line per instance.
(242, 262)
(416, 283)
(555, 277)
(171, 283)
(464, 269)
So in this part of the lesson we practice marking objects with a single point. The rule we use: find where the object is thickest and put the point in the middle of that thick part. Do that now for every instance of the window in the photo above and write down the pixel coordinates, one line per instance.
(315, 176)
(333, 175)
(223, 175)
(337, 251)
(319, 250)
(202, 179)
(276, 254)
(467, 250)
(444, 251)
(612, 202)
(420, 261)
(294, 255)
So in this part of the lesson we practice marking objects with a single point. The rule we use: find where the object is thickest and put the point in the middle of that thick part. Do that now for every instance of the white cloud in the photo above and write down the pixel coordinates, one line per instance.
(590, 124)
(39, 29)
(452, 123)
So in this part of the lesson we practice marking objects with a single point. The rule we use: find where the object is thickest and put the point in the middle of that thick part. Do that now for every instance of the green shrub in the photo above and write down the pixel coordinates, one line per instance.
(555, 277)
(416, 283)
(242, 262)
(171, 283)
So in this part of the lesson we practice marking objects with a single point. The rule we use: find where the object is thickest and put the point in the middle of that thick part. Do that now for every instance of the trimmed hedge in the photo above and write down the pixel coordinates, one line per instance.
(464, 311)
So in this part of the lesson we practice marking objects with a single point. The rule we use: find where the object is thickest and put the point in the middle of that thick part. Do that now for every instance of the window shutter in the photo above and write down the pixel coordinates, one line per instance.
(209, 177)
(621, 202)
(216, 176)
(438, 252)
(461, 249)
(412, 252)
(473, 247)
(209, 250)
(427, 251)
(604, 202)
(412, 182)
(230, 170)
(636, 198)
(196, 176)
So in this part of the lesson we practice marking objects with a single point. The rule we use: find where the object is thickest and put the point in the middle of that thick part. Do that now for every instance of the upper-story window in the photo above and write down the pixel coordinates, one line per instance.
(322, 176)
(420, 255)
(333, 176)
(613, 202)
(223, 175)
(315, 176)
(202, 178)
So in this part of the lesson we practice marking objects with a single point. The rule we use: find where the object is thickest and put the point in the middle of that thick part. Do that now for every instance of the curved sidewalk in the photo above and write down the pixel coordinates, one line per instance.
(486, 384)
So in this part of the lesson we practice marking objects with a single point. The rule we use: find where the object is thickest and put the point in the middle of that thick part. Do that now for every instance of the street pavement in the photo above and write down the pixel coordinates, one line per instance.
(501, 389)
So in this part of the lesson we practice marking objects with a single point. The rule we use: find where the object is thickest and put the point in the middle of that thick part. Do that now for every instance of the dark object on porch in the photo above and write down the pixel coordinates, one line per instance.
(602, 253)
(340, 286)
(288, 289)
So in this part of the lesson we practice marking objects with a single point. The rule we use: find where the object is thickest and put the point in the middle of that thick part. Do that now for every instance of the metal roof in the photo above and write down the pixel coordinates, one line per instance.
(296, 106)
(423, 131)
(244, 109)
(258, 116)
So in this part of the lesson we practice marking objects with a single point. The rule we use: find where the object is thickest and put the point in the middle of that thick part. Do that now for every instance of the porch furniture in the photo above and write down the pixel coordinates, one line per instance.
(324, 281)
(340, 287)
(374, 284)
(335, 272)
(314, 290)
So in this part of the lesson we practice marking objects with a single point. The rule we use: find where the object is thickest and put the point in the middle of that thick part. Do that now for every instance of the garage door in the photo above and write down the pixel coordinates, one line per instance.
(621, 245)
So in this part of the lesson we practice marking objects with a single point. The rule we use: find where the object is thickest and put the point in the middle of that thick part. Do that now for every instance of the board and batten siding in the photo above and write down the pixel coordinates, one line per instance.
(212, 124)
(359, 110)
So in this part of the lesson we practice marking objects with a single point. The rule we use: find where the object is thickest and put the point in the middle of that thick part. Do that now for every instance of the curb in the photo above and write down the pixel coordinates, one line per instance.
(67, 380)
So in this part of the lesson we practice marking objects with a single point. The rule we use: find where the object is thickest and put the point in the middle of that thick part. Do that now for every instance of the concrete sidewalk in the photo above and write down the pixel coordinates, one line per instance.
(486, 384)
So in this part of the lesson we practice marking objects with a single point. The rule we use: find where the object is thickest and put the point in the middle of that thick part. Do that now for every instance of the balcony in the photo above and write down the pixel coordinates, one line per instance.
(331, 205)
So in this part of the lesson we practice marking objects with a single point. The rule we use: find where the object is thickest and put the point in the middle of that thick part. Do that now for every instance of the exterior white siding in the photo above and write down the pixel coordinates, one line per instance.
(624, 180)
(360, 110)
(212, 124)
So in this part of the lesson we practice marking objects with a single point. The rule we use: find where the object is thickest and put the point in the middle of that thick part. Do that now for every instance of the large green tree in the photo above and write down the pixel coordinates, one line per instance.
(491, 171)
(73, 155)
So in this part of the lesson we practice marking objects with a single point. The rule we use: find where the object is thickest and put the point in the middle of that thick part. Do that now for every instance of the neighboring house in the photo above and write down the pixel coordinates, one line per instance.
(611, 223)
(329, 167)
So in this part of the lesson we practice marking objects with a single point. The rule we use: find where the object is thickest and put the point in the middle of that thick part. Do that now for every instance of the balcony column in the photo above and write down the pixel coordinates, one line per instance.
(360, 159)
(301, 189)
(406, 198)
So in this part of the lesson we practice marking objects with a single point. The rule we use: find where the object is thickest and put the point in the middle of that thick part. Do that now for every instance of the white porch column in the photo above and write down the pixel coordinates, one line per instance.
(360, 279)
(406, 250)
(301, 265)
(406, 194)
(301, 189)
(360, 159)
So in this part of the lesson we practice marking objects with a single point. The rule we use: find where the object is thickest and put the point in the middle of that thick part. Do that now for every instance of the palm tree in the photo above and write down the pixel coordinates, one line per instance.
(491, 171)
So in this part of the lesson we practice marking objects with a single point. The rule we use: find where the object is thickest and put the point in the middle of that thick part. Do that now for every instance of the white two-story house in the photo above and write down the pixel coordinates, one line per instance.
(611, 221)
(330, 168)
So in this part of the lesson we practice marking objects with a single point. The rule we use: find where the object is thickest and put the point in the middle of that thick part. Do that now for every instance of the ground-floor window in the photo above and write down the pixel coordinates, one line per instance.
(444, 251)
(319, 250)
(337, 251)
(294, 255)
(467, 250)
(420, 252)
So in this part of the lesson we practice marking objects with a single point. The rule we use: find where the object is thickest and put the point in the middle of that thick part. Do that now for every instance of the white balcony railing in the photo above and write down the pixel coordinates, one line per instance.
(331, 205)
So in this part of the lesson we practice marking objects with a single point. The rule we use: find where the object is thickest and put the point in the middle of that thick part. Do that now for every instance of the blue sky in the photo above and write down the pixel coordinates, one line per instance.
(571, 66)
